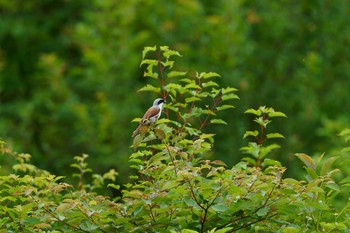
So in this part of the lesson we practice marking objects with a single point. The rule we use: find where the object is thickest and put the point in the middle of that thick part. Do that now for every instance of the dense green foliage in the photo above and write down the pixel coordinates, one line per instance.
(176, 188)
(69, 72)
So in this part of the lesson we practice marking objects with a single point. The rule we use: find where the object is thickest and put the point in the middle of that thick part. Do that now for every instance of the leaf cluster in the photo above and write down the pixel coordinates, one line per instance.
(175, 188)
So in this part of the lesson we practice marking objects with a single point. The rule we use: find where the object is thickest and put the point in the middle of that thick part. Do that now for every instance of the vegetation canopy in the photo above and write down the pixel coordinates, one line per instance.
(177, 188)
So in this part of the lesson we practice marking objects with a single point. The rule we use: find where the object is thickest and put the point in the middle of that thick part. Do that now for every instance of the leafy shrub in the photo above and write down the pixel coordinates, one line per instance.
(178, 189)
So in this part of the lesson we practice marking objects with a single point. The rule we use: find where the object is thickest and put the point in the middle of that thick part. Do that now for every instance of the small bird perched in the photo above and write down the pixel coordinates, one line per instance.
(151, 115)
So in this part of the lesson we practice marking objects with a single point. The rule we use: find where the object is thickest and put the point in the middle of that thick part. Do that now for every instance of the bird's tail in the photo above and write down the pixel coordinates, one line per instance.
(136, 131)
(141, 129)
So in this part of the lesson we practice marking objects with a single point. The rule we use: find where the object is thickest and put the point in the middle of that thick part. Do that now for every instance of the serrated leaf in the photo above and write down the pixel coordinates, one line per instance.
(253, 111)
(169, 53)
(150, 62)
(218, 121)
(274, 135)
(307, 160)
(251, 133)
(147, 49)
(229, 96)
(209, 75)
(151, 88)
(150, 74)
(228, 90)
(210, 84)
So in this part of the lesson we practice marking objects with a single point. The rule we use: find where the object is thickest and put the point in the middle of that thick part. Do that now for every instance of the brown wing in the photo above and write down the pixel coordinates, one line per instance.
(151, 112)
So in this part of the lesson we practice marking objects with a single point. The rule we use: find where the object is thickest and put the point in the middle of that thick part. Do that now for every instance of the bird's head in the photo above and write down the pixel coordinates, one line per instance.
(159, 102)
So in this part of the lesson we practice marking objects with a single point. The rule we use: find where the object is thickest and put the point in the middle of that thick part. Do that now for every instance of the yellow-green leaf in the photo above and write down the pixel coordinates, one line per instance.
(307, 160)
(274, 135)
(218, 121)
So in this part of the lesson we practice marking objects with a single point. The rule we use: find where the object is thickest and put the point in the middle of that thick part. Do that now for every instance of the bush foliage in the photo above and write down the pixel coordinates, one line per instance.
(177, 187)
(68, 67)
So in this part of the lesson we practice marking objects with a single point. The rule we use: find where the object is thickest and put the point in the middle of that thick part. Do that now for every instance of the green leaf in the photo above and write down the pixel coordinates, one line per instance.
(271, 162)
(228, 90)
(253, 149)
(218, 121)
(334, 187)
(150, 63)
(192, 99)
(147, 49)
(171, 53)
(253, 111)
(327, 165)
(220, 208)
(186, 80)
(192, 85)
(307, 160)
(137, 210)
(218, 162)
(276, 114)
(251, 133)
(311, 172)
(229, 96)
(160, 133)
(188, 231)
(263, 211)
(137, 141)
(261, 121)
(150, 74)
(225, 106)
(114, 186)
(209, 75)
(190, 202)
(210, 84)
(274, 135)
(346, 135)
(266, 150)
(172, 74)
(151, 88)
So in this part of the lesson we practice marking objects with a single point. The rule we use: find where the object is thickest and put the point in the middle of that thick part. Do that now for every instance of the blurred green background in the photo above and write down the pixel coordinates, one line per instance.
(69, 72)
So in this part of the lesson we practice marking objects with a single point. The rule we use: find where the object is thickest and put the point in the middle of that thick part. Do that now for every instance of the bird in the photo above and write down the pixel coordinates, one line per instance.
(151, 115)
